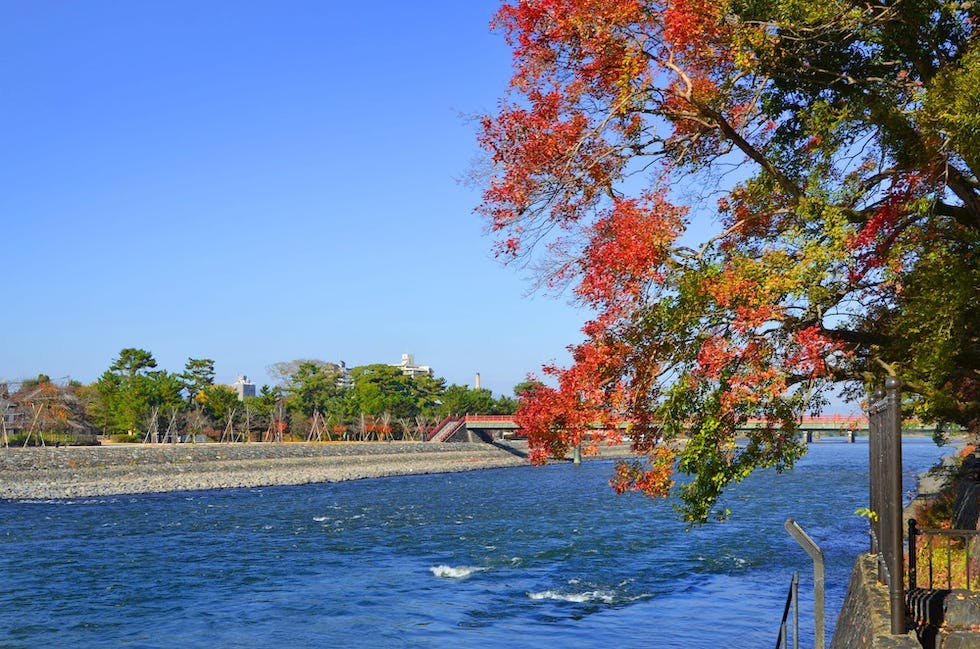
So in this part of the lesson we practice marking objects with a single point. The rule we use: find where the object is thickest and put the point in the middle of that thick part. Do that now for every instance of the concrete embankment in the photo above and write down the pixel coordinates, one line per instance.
(68, 472)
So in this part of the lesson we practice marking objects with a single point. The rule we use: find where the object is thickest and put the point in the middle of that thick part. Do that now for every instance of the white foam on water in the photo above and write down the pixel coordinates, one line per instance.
(319, 519)
(66, 501)
(450, 572)
(579, 598)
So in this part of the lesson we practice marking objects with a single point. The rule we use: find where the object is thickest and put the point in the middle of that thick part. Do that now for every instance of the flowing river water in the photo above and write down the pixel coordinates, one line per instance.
(497, 558)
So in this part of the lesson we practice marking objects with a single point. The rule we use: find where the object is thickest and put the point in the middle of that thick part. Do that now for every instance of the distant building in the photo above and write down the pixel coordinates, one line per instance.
(409, 368)
(243, 387)
(343, 374)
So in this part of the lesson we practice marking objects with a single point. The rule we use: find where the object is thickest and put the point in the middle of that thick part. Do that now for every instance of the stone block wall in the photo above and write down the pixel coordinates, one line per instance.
(864, 621)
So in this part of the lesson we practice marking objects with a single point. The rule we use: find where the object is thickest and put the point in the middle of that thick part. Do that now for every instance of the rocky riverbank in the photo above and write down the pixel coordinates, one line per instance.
(71, 472)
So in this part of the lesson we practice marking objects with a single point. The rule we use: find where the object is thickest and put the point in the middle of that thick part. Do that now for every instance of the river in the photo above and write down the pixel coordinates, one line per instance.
(498, 558)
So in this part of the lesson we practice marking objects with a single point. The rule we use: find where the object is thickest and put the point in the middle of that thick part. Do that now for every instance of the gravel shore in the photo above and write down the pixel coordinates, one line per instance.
(71, 472)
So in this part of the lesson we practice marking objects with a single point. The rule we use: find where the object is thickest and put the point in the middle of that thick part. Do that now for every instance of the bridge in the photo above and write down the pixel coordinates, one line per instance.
(473, 428)
(486, 428)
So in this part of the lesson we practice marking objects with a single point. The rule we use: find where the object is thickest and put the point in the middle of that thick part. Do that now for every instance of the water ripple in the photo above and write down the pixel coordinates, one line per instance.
(506, 558)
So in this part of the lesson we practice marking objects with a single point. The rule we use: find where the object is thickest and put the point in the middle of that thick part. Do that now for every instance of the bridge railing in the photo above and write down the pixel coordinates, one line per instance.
(447, 429)
(435, 429)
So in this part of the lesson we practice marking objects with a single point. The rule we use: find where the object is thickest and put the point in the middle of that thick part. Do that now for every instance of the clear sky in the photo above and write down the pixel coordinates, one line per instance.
(252, 182)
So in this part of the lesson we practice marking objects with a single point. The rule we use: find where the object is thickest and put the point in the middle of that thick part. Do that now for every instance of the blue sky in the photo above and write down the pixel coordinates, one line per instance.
(255, 182)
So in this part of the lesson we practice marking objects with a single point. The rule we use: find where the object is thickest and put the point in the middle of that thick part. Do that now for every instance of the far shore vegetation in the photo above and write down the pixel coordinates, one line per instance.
(312, 400)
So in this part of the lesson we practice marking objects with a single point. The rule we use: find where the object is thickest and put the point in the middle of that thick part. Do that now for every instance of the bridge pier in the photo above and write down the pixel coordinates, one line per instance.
(809, 436)
(851, 436)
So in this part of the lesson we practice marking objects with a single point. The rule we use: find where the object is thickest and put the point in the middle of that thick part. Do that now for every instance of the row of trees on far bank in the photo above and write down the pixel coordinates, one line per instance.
(133, 400)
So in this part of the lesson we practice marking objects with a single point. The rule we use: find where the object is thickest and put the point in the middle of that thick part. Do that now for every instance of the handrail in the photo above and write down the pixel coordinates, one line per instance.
(792, 596)
(967, 536)
(811, 548)
(490, 418)
(435, 429)
(448, 429)
(859, 421)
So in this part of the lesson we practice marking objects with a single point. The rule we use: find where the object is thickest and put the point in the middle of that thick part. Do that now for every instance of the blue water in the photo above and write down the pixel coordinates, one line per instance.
(502, 558)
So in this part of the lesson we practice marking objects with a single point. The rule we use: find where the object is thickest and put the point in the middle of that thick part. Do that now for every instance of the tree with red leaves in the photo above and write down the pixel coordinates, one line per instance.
(758, 200)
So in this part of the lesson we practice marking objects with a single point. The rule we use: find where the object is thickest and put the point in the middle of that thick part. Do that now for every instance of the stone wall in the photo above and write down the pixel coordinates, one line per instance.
(864, 621)
(967, 509)
(946, 619)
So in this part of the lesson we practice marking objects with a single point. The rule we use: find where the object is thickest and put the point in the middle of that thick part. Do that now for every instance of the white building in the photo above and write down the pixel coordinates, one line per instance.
(409, 368)
(243, 387)
(343, 374)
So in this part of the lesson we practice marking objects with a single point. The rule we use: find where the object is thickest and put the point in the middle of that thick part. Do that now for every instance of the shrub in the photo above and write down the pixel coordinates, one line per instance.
(936, 513)
(49, 439)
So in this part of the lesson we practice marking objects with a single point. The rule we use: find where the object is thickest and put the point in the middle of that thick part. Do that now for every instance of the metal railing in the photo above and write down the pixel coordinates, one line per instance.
(493, 418)
(957, 548)
(792, 598)
(816, 554)
(449, 428)
(438, 427)
(885, 472)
